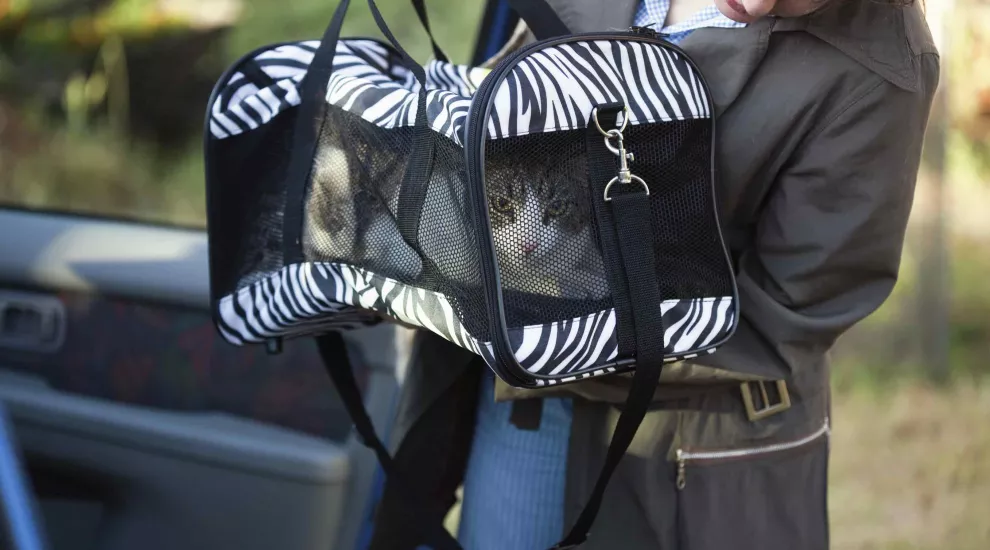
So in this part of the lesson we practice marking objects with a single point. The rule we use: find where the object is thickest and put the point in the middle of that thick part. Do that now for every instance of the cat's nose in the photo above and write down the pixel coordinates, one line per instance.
(528, 247)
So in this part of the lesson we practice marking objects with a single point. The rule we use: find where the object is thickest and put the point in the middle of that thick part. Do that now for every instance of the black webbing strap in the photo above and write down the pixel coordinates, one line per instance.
(634, 229)
(540, 18)
(419, 168)
(416, 179)
(425, 20)
(602, 167)
(306, 135)
(418, 512)
(407, 60)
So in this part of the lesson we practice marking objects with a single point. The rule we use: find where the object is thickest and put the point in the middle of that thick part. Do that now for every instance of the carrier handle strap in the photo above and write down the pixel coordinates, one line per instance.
(407, 60)
(540, 18)
(633, 222)
(416, 179)
(417, 510)
(308, 126)
(306, 134)
(420, 7)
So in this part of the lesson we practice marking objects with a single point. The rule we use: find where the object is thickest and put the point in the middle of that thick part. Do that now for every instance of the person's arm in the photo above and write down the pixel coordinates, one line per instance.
(828, 243)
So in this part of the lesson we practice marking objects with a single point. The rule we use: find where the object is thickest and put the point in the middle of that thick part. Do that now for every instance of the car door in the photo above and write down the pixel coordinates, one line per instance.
(141, 428)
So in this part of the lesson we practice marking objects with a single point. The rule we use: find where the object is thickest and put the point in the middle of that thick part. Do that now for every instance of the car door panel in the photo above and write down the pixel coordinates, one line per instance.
(65, 252)
(143, 428)
(165, 474)
(172, 357)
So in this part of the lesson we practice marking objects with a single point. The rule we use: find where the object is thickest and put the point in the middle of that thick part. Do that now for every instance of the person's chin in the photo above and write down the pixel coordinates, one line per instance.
(734, 10)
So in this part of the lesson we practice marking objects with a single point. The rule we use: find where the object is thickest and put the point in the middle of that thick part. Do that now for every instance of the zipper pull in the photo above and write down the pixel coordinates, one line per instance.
(681, 475)
(646, 31)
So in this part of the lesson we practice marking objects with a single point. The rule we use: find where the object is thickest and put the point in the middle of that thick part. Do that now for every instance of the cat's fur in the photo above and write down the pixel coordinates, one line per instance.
(350, 210)
(544, 238)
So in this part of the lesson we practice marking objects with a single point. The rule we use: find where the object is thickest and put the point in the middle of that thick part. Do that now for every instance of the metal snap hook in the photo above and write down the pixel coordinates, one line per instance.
(625, 176)
(625, 120)
(616, 135)
(632, 178)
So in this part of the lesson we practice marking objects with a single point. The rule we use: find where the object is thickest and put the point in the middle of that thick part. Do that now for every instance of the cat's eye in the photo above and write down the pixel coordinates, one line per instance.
(503, 205)
(556, 207)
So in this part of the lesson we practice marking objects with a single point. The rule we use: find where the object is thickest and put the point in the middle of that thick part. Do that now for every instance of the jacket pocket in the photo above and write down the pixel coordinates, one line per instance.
(765, 497)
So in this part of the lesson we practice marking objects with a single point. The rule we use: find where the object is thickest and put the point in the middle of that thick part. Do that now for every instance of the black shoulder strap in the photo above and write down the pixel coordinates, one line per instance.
(633, 223)
(420, 7)
(602, 167)
(306, 134)
(333, 351)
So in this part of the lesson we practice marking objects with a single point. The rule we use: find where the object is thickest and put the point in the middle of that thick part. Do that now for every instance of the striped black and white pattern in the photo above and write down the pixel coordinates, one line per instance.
(364, 82)
(548, 90)
(289, 302)
(552, 89)
(555, 88)
(300, 299)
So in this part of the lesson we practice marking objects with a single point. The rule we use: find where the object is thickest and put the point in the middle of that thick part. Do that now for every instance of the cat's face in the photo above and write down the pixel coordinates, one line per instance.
(537, 218)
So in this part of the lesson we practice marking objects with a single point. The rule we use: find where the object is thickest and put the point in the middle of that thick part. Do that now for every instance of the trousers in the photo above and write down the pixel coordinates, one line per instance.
(515, 479)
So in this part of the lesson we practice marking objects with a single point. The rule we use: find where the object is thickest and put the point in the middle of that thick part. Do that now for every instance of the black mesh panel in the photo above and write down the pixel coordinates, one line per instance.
(545, 230)
(675, 160)
(353, 197)
(352, 213)
(449, 239)
(246, 202)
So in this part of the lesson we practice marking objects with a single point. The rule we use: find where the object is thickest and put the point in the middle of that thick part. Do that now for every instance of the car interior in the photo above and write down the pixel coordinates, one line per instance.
(139, 428)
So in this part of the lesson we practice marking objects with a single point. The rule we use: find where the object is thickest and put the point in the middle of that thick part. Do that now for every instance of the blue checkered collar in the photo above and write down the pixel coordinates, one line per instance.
(654, 12)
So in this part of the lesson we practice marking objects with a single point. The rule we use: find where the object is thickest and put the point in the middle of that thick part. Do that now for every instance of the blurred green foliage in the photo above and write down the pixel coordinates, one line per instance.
(454, 24)
(102, 101)
(885, 347)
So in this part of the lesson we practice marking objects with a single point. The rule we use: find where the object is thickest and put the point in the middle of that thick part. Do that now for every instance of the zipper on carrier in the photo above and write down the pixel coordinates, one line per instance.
(648, 31)
(683, 457)
(474, 140)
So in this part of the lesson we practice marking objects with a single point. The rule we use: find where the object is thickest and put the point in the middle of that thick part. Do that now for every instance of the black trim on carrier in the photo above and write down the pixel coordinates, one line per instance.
(474, 150)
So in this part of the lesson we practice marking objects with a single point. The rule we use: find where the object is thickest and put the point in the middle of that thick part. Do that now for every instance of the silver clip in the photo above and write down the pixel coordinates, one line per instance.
(625, 176)
(625, 157)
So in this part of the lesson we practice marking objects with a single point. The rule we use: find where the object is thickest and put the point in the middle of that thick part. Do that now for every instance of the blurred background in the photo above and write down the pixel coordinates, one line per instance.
(101, 108)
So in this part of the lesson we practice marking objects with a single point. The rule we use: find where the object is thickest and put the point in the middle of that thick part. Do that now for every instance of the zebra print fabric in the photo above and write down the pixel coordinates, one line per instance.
(364, 82)
(548, 90)
(552, 89)
(300, 299)
(556, 88)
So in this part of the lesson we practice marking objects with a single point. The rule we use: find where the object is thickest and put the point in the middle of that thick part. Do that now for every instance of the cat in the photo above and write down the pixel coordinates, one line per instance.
(542, 228)
(350, 210)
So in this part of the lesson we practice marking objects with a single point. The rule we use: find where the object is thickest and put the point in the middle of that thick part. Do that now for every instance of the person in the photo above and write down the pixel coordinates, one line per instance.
(821, 109)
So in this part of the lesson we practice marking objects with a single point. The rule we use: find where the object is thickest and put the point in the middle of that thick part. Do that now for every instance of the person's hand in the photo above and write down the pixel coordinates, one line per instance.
(748, 11)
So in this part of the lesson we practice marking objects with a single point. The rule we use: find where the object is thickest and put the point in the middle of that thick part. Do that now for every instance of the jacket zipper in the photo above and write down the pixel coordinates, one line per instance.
(473, 149)
(683, 457)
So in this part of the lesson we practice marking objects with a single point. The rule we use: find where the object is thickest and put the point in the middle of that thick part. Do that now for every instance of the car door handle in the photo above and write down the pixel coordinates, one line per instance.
(31, 321)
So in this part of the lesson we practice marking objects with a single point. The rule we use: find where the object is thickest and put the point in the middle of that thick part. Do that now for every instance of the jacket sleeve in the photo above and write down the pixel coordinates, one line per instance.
(828, 241)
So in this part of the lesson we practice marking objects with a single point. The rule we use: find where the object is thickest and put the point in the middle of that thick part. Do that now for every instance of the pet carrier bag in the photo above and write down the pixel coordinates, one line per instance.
(555, 215)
